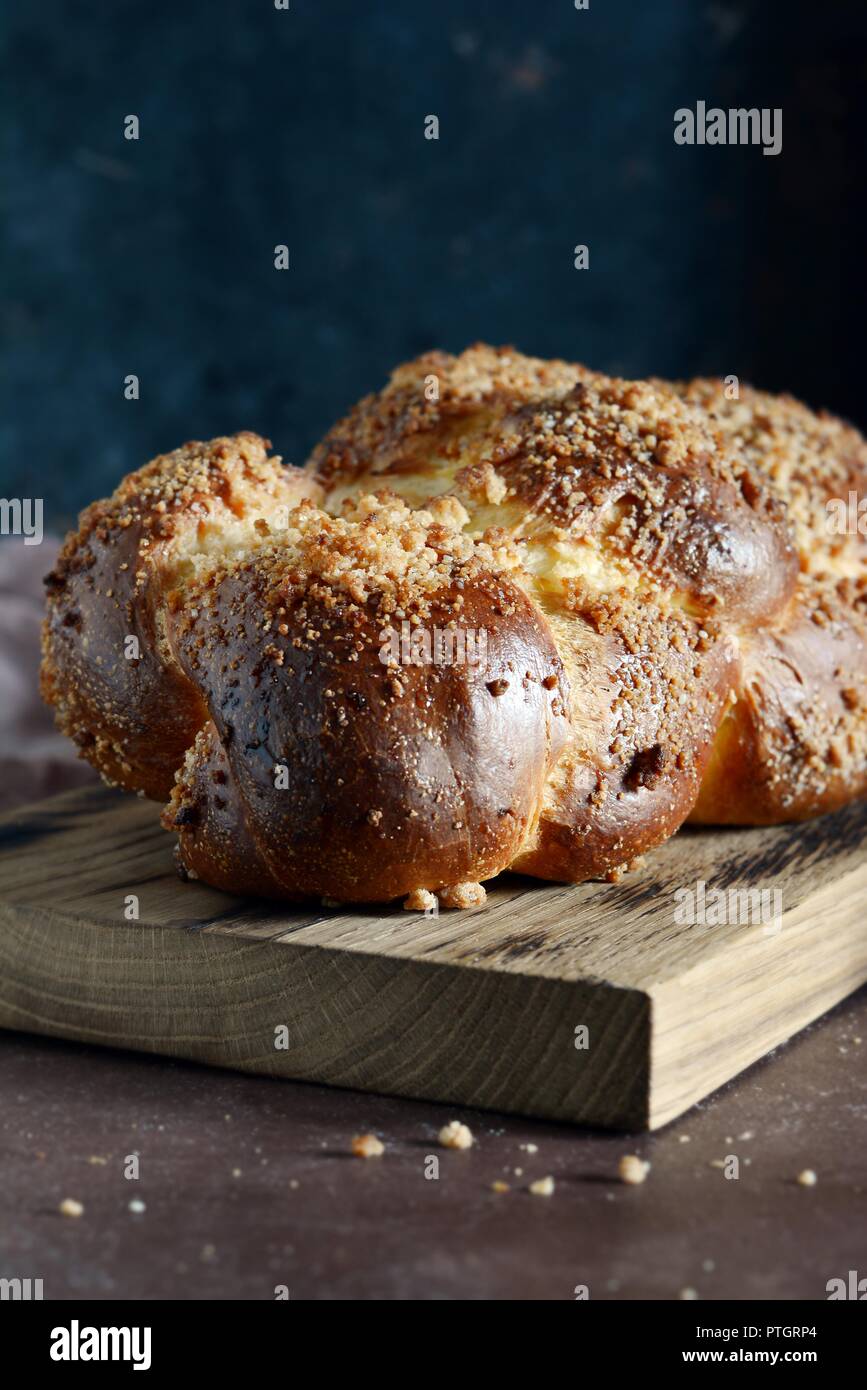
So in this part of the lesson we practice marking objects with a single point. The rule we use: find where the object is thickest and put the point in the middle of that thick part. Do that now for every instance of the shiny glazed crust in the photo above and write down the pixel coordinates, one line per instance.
(795, 743)
(513, 614)
(108, 667)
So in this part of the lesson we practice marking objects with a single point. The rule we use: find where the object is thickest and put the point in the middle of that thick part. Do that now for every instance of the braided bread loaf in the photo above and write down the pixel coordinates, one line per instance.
(512, 615)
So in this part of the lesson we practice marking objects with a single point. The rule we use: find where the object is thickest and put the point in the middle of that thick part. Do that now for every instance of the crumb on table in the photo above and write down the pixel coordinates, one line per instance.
(454, 1135)
(632, 1169)
(420, 900)
(463, 895)
(367, 1146)
(542, 1187)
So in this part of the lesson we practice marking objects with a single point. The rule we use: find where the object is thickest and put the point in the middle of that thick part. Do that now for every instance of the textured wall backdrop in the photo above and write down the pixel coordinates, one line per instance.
(306, 127)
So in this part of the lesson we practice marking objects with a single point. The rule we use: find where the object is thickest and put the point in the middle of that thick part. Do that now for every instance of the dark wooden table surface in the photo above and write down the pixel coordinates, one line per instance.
(247, 1184)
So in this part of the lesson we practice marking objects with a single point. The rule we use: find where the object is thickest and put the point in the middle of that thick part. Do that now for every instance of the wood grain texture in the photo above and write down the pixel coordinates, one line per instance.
(475, 1007)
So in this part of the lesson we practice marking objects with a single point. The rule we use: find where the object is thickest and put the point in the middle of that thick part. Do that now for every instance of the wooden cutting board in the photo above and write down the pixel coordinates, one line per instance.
(477, 1007)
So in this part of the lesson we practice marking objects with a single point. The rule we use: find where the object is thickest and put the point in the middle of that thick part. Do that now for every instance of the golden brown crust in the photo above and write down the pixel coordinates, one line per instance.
(649, 542)
(810, 457)
(625, 467)
(528, 616)
(359, 777)
(795, 743)
(436, 401)
(107, 666)
(645, 710)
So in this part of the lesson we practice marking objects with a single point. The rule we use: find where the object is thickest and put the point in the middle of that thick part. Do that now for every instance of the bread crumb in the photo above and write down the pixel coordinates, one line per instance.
(367, 1146)
(294, 1184)
(529, 1148)
(454, 1135)
(807, 1177)
(137, 1206)
(70, 1207)
(500, 1186)
(684, 1139)
(689, 1295)
(542, 1187)
(98, 1159)
(463, 895)
(632, 1169)
(619, 871)
(236, 1172)
(420, 900)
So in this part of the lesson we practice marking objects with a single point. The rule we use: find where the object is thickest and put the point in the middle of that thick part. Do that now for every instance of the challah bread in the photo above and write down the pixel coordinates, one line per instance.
(794, 744)
(397, 776)
(108, 667)
(512, 622)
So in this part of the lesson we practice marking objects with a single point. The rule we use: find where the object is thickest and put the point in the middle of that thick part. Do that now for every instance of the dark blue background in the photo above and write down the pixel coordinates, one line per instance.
(260, 127)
